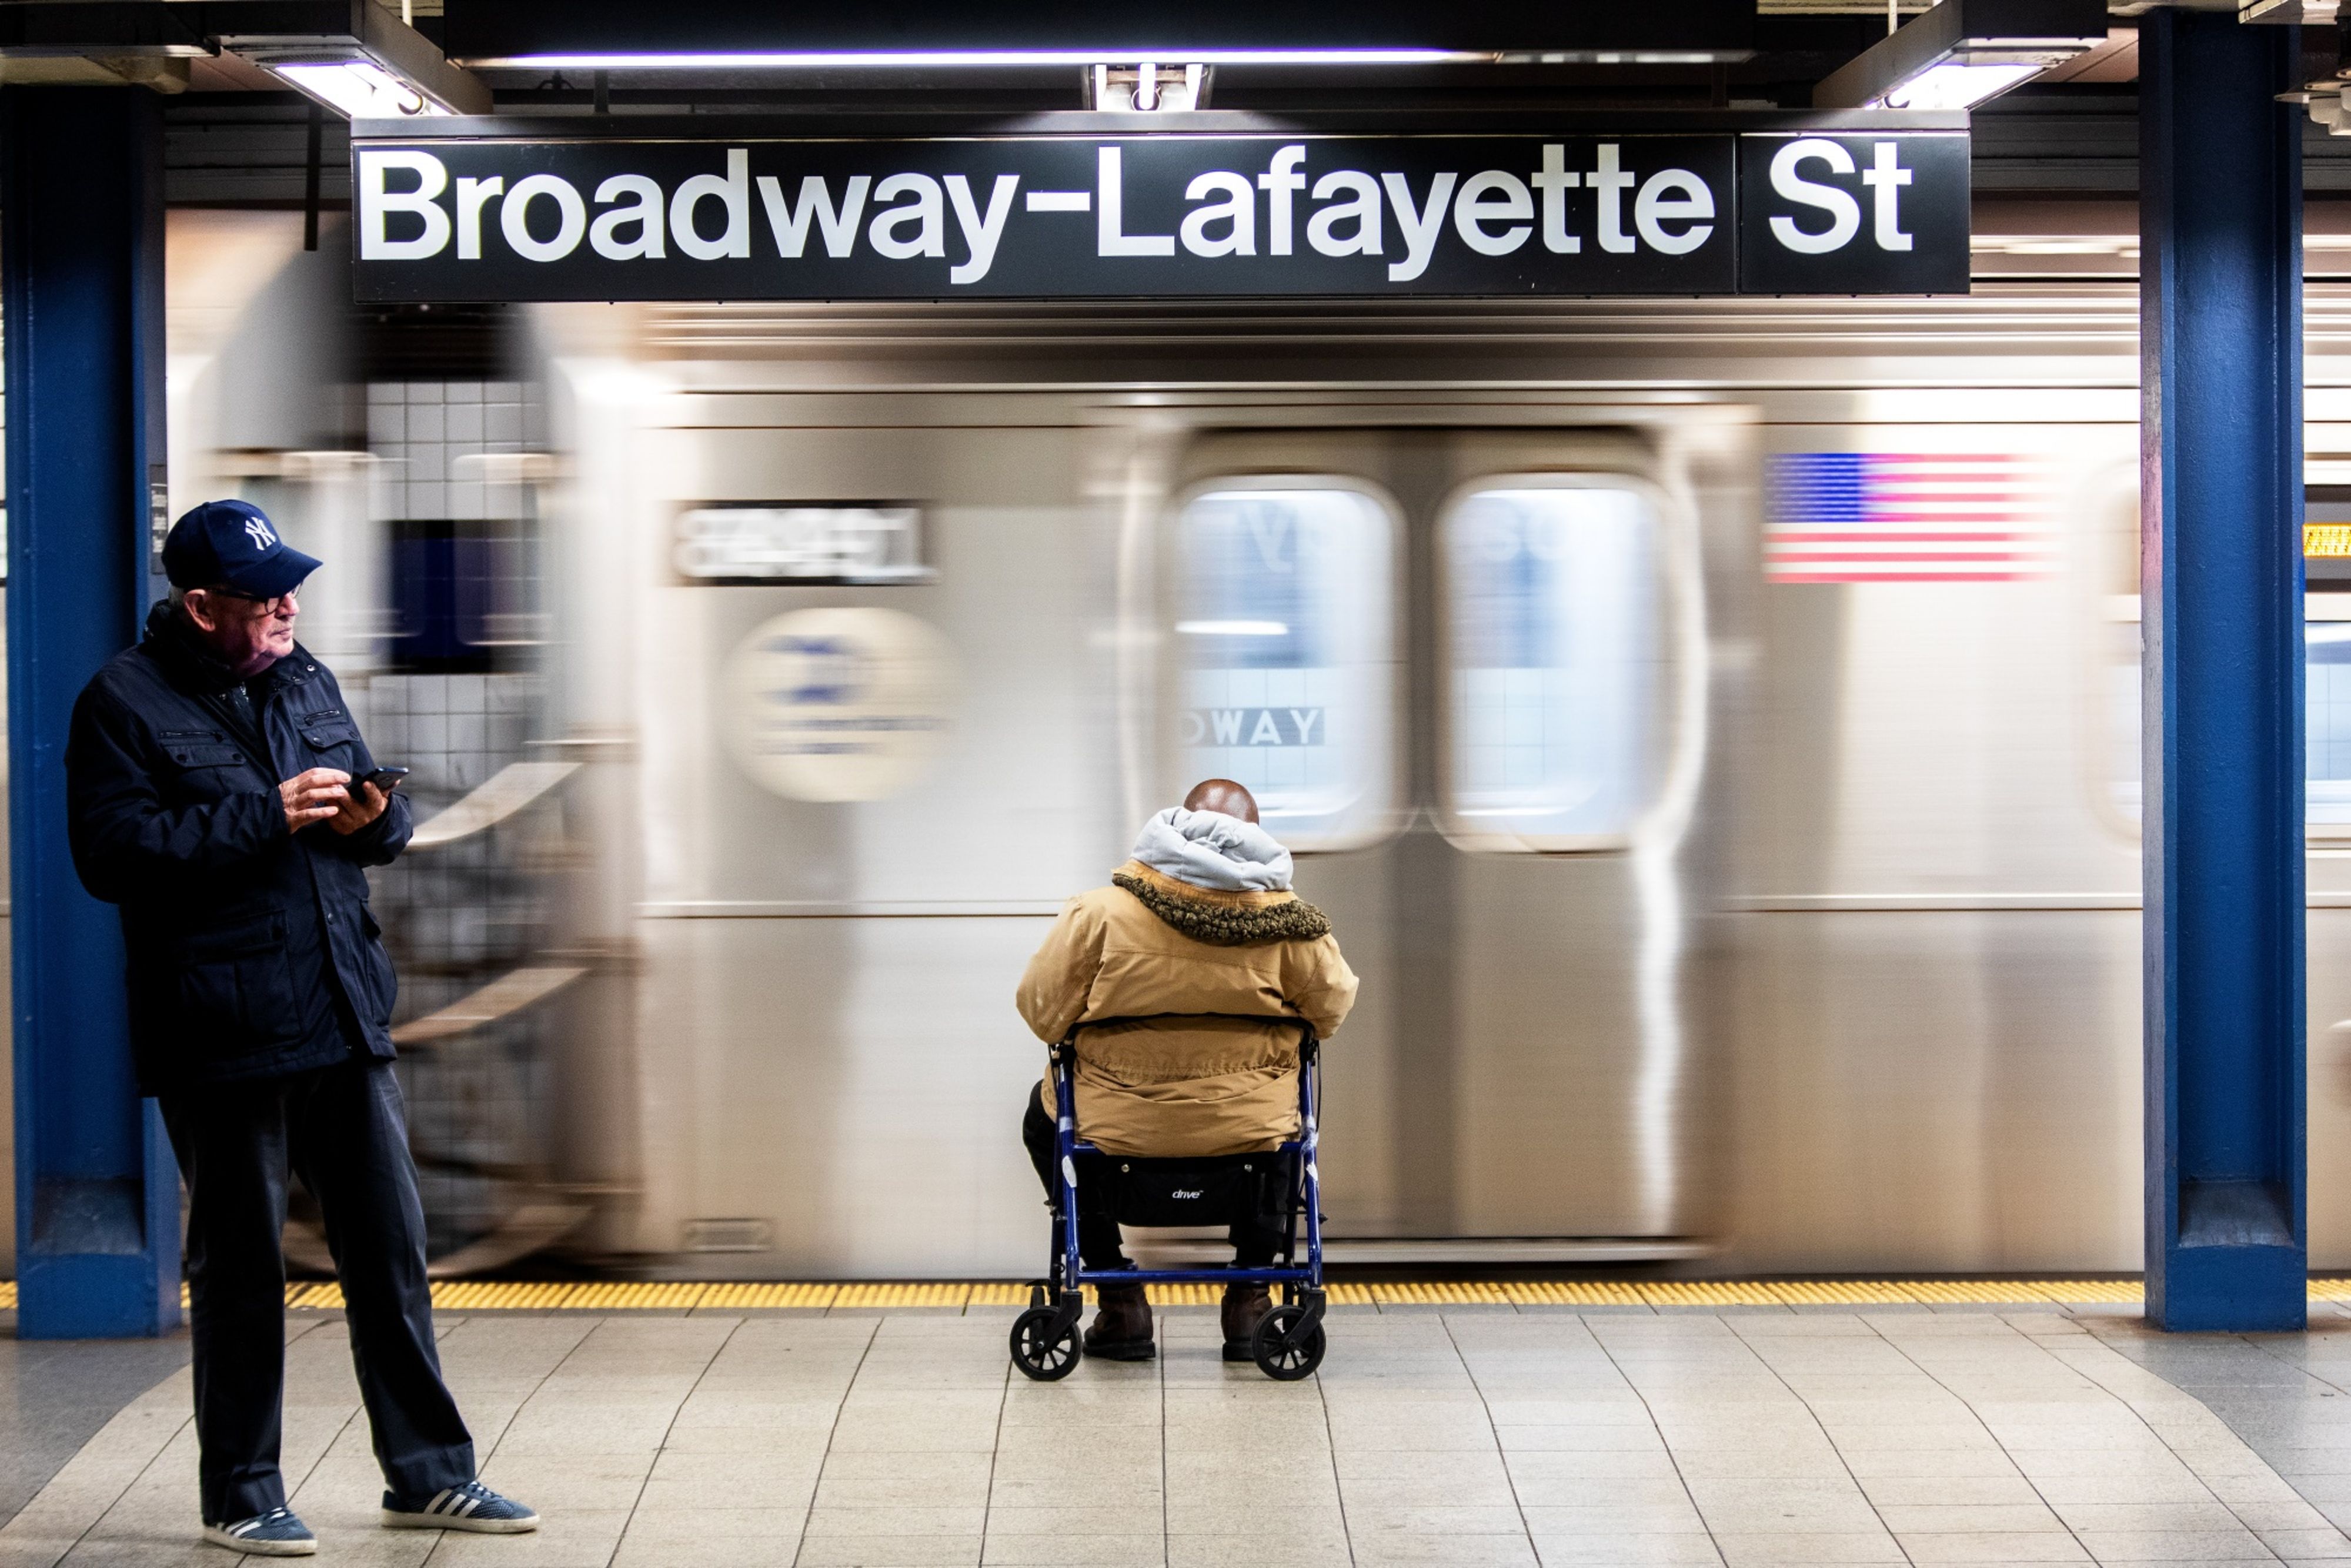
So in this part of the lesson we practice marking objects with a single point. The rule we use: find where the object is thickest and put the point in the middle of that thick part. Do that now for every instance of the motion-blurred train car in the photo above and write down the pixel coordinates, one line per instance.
(1711, 726)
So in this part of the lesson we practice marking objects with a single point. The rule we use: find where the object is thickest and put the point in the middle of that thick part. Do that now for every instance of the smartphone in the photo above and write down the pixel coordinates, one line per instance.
(384, 778)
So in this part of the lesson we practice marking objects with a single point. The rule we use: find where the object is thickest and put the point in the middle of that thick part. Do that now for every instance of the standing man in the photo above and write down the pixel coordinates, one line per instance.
(210, 775)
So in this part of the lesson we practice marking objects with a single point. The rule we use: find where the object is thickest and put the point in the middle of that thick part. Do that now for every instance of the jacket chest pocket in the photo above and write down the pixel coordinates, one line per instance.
(332, 742)
(236, 989)
(207, 765)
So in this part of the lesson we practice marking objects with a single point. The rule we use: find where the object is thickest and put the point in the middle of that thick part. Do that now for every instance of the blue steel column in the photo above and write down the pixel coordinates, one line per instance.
(2221, 564)
(81, 312)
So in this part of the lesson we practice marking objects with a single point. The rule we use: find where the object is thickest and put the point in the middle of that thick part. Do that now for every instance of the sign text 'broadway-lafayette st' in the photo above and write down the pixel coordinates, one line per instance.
(1070, 217)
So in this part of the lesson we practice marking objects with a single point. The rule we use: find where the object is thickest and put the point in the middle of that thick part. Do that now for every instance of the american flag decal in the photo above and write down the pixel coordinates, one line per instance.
(1901, 516)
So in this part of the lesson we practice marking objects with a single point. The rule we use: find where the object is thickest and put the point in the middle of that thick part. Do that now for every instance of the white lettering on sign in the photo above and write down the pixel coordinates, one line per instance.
(1612, 181)
(1845, 213)
(921, 211)
(792, 224)
(1885, 179)
(1655, 207)
(1420, 224)
(1555, 180)
(1493, 197)
(471, 196)
(570, 218)
(1361, 209)
(982, 233)
(1280, 181)
(377, 205)
(1109, 213)
(1236, 212)
(732, 190)
(1252, 726)
(1654, 198)
(644, 215)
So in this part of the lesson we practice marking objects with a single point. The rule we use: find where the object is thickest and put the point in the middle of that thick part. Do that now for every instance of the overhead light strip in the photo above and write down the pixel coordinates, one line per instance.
(950, 58)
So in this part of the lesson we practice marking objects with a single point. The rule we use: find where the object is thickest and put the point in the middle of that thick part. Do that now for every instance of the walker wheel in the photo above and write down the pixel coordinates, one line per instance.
(1286, 1362)
(1038, 1353)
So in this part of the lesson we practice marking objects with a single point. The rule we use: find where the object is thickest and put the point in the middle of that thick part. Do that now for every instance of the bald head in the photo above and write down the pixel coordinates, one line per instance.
(1222, 795)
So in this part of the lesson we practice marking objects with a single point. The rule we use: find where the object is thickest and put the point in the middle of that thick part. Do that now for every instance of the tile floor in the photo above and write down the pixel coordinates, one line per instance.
(1471, 1436)
(55, 1394)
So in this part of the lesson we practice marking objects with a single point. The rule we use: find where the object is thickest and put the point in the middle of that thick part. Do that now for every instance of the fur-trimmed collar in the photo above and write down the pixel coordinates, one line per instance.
(1222, 919)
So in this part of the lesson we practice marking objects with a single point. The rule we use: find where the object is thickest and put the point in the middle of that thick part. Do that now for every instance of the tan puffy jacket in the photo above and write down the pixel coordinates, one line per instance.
(1185, 1085)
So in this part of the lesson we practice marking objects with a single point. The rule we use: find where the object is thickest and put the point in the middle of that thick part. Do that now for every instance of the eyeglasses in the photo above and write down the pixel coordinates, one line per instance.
(269, 606)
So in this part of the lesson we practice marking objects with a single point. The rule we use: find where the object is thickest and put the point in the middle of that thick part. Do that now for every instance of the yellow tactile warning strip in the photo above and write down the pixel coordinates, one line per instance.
(2325, 540)
(675, 1295)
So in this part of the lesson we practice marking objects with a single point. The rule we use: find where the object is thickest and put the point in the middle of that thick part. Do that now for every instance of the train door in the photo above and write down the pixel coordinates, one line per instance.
(1466, 673)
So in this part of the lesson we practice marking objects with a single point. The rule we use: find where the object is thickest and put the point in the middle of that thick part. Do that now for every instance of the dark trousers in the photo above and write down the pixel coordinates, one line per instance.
(344, 1131)
(1254, 1246)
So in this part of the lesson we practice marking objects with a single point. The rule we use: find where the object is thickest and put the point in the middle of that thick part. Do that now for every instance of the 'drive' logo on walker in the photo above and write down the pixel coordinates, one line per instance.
(840, 704)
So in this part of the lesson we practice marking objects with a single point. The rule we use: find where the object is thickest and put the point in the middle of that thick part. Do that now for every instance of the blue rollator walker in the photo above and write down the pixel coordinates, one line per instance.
(1283, 1184)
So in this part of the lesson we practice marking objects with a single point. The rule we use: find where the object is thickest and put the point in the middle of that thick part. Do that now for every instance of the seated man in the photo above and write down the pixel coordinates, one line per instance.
(1201, 921)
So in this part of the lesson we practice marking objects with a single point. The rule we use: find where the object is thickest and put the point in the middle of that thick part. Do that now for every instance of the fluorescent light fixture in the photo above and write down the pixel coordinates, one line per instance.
(1624, 57)
(2291, 13)
(1958, 84)
(357, 89)
(1232, 628)
(928, 60)
(1147, 89)
(1964, 52)
(365, 64)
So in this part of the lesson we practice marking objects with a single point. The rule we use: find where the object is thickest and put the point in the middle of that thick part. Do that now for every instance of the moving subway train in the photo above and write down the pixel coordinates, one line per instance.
(1711, 726)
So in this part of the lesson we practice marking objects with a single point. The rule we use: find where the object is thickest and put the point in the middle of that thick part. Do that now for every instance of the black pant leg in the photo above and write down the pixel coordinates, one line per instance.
(231, 1143)
(1255, 1246)
(349, 1142)
(1098, 1240)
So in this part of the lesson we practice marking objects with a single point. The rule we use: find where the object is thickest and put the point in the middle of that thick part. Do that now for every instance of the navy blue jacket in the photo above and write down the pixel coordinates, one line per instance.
(252, 953)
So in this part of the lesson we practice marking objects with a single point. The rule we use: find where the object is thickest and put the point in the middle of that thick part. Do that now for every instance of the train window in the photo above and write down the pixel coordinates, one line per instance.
(2326, 723)
(2326, 717)
(1553, 634)
(1285, 637)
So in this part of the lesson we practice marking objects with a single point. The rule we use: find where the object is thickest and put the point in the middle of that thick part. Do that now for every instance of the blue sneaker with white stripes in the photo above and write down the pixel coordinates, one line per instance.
(473, 1507)
(277, 1533)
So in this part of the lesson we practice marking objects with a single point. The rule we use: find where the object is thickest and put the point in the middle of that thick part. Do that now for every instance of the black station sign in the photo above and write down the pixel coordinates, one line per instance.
(491, 218)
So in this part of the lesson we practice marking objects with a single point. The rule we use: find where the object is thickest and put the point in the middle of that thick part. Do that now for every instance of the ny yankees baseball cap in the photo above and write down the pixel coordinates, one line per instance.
(232, 545)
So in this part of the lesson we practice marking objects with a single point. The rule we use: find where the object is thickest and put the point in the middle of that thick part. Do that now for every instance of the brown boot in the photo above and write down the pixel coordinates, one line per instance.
(1244, 1306)
(1121, 1327)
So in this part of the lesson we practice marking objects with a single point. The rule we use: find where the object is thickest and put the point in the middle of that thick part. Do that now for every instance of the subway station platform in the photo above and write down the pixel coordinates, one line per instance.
(1489, 1433)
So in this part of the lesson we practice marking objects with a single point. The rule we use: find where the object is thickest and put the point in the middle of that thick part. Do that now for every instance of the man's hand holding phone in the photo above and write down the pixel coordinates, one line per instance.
(369, 795)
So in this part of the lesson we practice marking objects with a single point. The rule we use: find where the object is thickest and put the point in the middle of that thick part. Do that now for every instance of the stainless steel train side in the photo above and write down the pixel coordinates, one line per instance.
(1848, 982)
(1705, 915)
